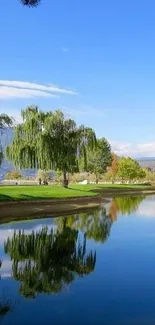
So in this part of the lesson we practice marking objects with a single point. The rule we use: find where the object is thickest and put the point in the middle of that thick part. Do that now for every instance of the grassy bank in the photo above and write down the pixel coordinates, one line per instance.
(9, 193)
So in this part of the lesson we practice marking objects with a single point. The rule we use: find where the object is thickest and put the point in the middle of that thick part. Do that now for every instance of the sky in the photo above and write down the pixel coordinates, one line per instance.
(95, 60)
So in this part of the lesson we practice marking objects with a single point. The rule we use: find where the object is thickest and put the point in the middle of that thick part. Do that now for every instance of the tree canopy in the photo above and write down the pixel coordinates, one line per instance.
(129, 169)
(99, 159)
(49, 141)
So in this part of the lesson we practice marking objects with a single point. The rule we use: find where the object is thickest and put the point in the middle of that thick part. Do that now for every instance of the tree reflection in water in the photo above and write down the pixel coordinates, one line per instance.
(124, 206)
(95, 225)
(47, 261)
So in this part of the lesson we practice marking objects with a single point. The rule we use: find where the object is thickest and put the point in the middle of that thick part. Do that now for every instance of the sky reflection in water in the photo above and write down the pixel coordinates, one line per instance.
(87, 268)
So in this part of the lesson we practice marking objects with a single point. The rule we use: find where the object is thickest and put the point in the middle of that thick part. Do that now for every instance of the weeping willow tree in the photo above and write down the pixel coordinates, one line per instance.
(95, 225)
(5, 121)
(50, 141)
(47, 261)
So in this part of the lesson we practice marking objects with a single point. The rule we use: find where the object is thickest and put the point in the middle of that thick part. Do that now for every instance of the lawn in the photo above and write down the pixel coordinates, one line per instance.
(51, 191)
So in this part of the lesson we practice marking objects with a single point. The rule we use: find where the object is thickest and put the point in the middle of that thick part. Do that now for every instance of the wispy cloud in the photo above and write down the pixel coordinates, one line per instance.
(84, 110)
(137, 150)
(24, 89)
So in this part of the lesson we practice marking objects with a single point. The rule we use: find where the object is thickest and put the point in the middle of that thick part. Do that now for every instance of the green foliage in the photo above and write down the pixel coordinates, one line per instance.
(129, 169)
(49, 141)
(99, 159)
(48, 261)
(5, 121)
(13, 175)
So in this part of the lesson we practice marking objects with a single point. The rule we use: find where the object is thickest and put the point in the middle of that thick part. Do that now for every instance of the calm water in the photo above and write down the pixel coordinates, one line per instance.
(96, 268)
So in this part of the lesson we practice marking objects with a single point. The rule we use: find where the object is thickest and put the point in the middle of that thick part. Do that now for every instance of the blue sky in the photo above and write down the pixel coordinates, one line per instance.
(101, 53)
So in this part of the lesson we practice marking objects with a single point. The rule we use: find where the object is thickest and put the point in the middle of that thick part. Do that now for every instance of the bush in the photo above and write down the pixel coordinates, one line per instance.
(13, 175)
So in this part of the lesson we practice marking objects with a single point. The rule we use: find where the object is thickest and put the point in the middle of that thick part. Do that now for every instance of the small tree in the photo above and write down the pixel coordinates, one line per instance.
(43, 175)
(129, 169)
(13, 175)
(99, 159)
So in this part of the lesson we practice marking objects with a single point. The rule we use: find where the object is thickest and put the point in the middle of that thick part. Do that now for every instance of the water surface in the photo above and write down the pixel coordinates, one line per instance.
(90, 268)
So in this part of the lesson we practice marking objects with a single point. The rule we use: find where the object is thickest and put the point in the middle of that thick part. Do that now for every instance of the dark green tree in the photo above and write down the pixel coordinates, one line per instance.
(50, 141)
(48, 261)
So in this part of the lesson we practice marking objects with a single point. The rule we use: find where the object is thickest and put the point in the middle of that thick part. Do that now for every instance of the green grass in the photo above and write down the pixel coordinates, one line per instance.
(51, 191)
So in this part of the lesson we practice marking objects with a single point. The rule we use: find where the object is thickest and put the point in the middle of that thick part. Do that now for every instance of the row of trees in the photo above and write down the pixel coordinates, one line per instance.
(125, 168)
(50, 141)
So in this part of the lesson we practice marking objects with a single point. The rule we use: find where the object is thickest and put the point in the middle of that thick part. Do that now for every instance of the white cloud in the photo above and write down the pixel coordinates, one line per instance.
(20, 89)
(137, 150)
(146, 208)
(10, 92)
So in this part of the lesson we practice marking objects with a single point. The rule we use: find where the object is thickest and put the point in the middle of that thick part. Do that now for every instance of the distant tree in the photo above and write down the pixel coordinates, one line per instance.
(43, 175)
(128, 169)
(13, 175)
(99, 159)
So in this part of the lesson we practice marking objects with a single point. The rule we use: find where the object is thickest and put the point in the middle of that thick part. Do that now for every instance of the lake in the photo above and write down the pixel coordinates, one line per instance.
(89, 268)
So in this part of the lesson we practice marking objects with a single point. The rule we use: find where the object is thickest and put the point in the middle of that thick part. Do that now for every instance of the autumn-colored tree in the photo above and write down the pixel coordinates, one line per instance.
(114, 167)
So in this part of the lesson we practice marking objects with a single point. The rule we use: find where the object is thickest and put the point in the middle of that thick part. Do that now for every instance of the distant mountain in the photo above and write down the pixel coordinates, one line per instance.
(146, 159)
(147, 162)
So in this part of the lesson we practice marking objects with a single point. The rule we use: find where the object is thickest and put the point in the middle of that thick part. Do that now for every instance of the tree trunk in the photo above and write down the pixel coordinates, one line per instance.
(96, 179)
(65, 181)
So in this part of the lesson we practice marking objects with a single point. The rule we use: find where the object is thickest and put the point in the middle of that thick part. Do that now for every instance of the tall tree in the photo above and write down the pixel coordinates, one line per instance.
(50, 141)
(99, 159)
(114, 167)
(5, 121)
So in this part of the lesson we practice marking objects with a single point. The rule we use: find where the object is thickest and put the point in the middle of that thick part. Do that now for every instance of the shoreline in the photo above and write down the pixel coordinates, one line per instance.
(27, 209)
